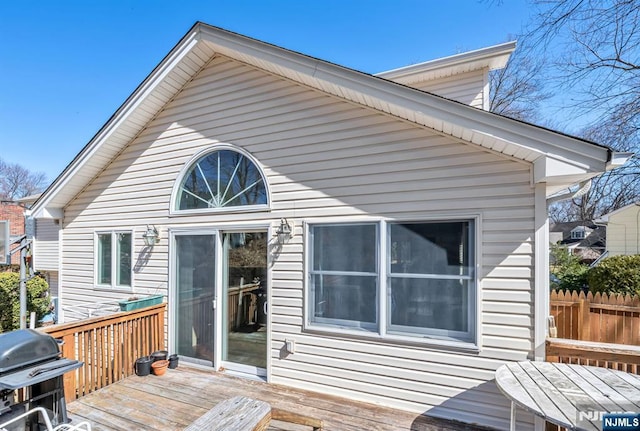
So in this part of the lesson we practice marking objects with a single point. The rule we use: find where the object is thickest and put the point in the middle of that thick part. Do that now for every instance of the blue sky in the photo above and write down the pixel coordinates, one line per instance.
(67, 65)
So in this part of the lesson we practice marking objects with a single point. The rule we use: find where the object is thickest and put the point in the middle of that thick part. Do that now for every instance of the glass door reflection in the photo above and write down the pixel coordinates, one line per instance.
(244, 338)
(195, 281)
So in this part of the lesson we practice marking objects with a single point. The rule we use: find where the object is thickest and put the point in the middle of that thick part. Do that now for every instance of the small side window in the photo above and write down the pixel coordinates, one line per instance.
(113, 259)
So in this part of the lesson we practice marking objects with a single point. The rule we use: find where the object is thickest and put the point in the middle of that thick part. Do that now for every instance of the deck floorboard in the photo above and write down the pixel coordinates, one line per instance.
(179, 397)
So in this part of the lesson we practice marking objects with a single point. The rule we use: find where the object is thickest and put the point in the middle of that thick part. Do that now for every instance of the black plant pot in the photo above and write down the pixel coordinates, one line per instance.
(143, 365)
(159, 355)
(173, 361)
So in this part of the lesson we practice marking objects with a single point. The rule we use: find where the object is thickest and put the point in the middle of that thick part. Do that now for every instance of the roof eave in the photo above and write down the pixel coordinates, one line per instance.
(489, 58)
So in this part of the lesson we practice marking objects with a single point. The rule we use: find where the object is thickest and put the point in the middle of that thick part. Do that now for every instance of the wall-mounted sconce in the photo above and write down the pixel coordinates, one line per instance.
(285, 230)
(151, 236)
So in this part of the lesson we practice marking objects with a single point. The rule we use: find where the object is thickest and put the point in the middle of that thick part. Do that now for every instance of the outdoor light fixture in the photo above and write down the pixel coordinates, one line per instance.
(151, 236)
(285, 230)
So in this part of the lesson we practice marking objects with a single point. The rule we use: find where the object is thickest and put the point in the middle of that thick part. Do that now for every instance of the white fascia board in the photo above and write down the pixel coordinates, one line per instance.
(546, 169)
(618, 159)
(48, 213)
(490, 58)
(66, 178)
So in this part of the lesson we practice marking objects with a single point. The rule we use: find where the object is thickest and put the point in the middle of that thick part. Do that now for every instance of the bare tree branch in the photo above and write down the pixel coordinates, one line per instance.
(596, 60)
(17, 182)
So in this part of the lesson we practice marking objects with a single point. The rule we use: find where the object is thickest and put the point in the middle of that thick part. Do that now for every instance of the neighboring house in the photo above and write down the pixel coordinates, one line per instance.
(12, 218)
(11, 228)
(623, 230)
(45, 247)
(322, 227)
(581, 238)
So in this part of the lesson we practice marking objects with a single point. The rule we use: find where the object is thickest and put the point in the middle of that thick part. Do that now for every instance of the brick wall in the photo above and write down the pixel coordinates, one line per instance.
(15, 214)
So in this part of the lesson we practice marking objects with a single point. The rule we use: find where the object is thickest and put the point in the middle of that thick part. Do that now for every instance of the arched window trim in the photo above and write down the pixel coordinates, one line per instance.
(173, 210)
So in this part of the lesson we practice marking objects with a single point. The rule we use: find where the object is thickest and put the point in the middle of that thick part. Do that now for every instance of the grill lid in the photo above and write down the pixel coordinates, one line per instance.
(37, 373)
(23, 347)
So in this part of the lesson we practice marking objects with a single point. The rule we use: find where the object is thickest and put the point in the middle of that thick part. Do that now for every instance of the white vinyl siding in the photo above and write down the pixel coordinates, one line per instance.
(46, 245)
(326, 159)
(469, 88)
(52, 279)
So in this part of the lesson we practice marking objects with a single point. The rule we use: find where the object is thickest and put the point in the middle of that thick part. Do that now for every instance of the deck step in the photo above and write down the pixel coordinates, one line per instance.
(234, 414)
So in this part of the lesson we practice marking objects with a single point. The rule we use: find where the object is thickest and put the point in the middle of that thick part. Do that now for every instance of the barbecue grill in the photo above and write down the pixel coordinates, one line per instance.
(31, 360)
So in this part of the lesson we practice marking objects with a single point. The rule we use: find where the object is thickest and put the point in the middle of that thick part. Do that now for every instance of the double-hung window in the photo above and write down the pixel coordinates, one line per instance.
(426, 289)
(113, 259)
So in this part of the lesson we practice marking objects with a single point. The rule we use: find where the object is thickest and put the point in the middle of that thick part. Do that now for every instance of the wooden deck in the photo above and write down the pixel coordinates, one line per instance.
(176, 399)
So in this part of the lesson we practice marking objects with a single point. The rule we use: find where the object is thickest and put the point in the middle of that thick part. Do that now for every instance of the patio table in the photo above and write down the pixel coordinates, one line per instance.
(572, 396)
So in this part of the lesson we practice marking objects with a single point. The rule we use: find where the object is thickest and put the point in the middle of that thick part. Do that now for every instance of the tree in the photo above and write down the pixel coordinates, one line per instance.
(616, 274)
(568, 273)
(596, 49)
(516, 90)
(37, 299)
(17, 182)
(613, 189)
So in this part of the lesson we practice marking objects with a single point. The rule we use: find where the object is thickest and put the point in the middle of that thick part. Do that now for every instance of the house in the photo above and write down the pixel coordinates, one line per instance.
(581, 238)
(320, 227)
(623, 230)
(45, 247)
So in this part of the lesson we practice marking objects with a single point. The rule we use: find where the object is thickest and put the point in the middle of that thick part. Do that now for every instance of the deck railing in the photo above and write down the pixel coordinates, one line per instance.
(600, 317)
(108, 346)
(616, 356)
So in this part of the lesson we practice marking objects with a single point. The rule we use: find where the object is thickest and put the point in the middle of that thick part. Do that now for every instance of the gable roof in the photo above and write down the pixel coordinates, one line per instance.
(605, 218)
(559, 160)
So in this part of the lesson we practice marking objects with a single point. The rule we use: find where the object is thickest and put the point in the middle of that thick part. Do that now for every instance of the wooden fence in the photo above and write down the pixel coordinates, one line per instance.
(108, 346)
(600, 318)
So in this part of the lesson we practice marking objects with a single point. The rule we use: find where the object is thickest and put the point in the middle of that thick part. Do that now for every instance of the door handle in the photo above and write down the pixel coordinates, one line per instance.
(213, 304)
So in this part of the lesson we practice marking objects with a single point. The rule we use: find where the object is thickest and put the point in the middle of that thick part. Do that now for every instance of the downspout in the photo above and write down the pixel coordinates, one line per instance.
(583, 188)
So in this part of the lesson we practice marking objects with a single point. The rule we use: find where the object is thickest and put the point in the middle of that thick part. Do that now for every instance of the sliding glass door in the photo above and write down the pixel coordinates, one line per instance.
(220, 298)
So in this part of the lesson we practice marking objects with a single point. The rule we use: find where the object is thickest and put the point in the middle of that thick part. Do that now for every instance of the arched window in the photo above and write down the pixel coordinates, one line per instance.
(221, 179)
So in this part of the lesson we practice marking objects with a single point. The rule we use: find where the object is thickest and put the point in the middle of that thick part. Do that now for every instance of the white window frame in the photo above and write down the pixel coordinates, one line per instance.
(340, 323)
(114, 259)
(174, 211)
(382, 333)
(579, 233)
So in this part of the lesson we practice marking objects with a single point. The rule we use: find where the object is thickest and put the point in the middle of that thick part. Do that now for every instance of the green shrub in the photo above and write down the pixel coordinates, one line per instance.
(37, 299)
(616, 274)
(567, 271)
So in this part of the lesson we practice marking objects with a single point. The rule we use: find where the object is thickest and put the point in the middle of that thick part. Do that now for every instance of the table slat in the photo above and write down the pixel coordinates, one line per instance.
(623, 383)
(547, 406)
(604, 394)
